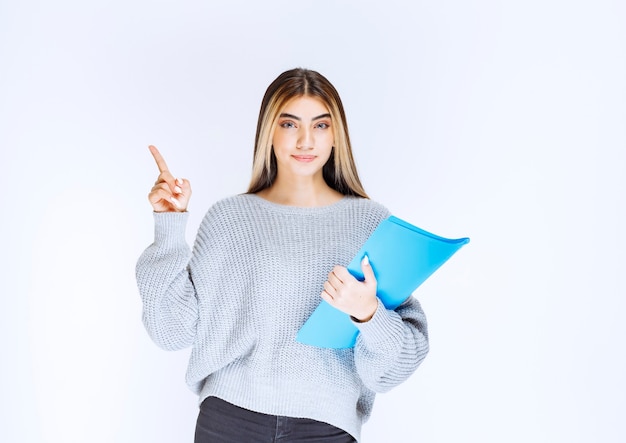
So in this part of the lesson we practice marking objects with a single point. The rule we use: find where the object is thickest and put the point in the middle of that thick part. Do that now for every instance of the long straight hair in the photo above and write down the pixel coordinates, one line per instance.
(340, 171)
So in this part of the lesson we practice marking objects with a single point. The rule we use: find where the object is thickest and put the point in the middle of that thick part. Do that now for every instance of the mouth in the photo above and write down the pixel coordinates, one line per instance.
(304, 158)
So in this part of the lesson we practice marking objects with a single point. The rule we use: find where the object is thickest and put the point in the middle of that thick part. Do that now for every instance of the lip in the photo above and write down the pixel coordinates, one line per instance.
(304, 158)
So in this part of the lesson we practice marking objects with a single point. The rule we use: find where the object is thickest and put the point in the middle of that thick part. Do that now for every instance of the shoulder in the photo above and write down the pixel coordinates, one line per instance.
(243, 209)
(226, 223)
(234, 203)
(237, 205)
(364, 214)
(225, 212)
(370, 205)
(368, 208)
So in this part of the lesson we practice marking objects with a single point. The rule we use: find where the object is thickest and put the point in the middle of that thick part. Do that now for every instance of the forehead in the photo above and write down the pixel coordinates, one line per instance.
(305, 106)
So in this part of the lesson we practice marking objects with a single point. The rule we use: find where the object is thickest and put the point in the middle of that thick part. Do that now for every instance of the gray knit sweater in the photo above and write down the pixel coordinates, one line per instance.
(253, 278)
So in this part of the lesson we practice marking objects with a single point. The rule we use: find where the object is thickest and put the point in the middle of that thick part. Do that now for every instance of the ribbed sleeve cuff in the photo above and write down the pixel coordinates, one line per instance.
(169, 228)
(381, 327)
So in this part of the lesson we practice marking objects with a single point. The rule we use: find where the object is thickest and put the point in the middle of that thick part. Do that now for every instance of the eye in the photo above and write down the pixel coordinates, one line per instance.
(287, 124)
(322, 125)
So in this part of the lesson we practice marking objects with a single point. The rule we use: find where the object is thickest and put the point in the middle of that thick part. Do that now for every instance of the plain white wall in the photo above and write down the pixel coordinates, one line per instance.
(502, 121)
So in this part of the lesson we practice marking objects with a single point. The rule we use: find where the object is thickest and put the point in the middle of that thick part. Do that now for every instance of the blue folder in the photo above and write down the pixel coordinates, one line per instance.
(402, 256)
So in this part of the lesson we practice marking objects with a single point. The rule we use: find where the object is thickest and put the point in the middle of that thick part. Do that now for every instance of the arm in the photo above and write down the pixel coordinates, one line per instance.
(170, 306)
(391, 345)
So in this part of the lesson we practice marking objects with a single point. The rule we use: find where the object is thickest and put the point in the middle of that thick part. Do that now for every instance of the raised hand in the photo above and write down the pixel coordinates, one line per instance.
(169, 194)
(346, 293)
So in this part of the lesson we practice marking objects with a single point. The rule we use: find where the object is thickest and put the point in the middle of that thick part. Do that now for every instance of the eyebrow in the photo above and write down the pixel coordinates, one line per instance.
(285, 115)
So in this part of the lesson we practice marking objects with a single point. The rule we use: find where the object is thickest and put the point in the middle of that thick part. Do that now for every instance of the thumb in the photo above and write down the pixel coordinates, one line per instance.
(368, 272)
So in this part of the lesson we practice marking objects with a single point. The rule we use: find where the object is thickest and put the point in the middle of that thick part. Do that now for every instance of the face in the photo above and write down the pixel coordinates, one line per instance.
(303, 138)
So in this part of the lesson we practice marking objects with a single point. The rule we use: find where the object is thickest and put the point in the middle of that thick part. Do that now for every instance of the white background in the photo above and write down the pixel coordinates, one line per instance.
(502, 121)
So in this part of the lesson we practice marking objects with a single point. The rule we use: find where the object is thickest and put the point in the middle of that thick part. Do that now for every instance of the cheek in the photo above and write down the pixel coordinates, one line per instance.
(329, 140)
(324, 139)
(278, 145)
(276, 140)
(329, 149)
(283, 139)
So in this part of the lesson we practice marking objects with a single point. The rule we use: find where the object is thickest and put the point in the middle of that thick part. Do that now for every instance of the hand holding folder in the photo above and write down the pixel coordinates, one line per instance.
(402, 256)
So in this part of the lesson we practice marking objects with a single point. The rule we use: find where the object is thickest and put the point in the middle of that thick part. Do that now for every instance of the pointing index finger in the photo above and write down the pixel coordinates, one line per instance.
(158, 158)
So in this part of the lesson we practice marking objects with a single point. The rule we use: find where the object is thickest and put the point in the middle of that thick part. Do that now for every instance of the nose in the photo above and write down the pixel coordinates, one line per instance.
(305, 139)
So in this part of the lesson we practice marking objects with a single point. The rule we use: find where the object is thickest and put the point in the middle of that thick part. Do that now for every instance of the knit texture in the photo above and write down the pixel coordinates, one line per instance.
(254, 277)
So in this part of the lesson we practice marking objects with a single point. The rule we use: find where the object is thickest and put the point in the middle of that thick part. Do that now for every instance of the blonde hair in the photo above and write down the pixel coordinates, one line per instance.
(340, 171)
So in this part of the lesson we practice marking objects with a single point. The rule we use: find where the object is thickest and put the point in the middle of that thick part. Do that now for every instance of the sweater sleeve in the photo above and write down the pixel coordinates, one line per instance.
(170, 306)
(391, 345)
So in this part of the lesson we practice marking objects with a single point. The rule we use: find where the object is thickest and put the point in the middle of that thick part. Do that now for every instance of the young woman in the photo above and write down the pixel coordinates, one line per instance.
(261, 263)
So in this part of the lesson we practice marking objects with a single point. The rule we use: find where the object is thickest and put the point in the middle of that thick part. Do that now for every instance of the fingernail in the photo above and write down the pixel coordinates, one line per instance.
(366, 260)
(179, 182)
(175, 202)
(177, 189)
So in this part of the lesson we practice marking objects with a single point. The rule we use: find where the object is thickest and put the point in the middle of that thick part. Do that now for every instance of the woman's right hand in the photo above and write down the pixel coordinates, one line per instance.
(169, 194)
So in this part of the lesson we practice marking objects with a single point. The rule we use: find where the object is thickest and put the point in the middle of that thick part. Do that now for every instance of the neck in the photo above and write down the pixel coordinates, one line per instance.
(303, 192)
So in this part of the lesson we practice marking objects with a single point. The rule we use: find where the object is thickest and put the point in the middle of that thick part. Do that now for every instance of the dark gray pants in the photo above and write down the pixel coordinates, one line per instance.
(222, 422)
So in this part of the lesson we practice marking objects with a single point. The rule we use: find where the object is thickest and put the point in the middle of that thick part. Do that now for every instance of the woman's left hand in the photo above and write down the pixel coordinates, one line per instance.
(346, 293)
